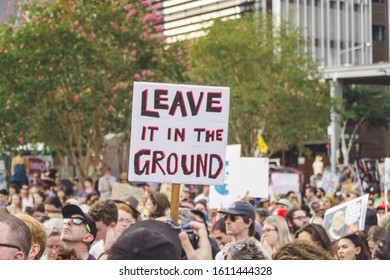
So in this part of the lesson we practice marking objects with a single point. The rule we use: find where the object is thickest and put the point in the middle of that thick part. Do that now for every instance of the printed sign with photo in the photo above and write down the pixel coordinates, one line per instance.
(178, 133)
(346, 218)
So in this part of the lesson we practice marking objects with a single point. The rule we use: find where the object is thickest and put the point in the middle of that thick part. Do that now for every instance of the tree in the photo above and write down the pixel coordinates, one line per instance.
(275, 86)
(361, 104)
(70, 70)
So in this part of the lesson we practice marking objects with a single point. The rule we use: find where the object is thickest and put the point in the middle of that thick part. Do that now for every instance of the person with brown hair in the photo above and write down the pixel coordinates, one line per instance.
(317, 234)
(158, 205)
(39, 237)
(301, 250)
(244, 250)
(352, 247)
(105, 215)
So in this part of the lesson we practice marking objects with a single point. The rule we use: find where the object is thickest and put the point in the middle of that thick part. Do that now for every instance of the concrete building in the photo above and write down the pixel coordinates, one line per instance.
(348, 38)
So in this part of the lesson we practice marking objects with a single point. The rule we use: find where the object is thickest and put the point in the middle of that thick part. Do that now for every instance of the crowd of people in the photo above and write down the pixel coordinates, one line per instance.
(50, 218)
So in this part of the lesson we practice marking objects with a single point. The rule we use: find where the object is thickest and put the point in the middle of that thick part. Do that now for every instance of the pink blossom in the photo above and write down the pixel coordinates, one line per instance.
(21, 139)
(286, 85)
(132, 12)
(318, 104)
(133, 53)
(125, 51)
(49, 21)
(159, 28)
(111, 108)
(143, 73)
(51, 69)
(261, 30)
(147, 17)
(92, 36)
(39, 62)
(114, 88)
(8, 107)
(123, 110)
(73, 8)
(76, 97)
(115, 96)
(114, 24)
(80, 29)
(109, 75)
(179, 51)
(158, 5)
(76, 22)
(10, 3)
(21, 46)
(137, 77)
(134, 45)
(150, 73)
(127, 7)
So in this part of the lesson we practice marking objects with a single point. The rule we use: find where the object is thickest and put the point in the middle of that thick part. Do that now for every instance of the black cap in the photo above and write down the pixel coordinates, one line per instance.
(73, 209)
(4, 192)
(243, 208)
(147, 240)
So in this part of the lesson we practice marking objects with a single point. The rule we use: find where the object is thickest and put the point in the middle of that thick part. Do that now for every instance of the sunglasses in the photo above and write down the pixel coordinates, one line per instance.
(10, 246)
(77, 221)
(232, 218)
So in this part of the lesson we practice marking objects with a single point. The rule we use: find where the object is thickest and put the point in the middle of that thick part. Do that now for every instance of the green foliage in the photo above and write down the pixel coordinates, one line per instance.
(370, 104)
(274, 85)
(70, 68)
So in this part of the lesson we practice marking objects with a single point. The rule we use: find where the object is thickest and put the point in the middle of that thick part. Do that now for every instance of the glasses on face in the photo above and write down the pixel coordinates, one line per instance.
(125, 221)
(53, 247)
(77, 221)
(268, 230)
(301, 218)
(232, 218)
(10, 246)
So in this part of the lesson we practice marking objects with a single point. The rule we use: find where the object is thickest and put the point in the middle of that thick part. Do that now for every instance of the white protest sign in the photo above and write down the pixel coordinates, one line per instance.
(282, 183)
(243, 175)
(178, 133)
(387, 180)
(329, 181)
(346, 218)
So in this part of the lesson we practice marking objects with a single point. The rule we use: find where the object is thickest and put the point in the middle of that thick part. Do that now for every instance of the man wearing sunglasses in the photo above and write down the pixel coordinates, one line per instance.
(15, 238)
(240, 224)
(79, 231)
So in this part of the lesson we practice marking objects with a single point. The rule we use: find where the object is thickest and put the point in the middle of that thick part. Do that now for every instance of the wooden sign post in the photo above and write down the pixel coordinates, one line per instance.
(175, 200)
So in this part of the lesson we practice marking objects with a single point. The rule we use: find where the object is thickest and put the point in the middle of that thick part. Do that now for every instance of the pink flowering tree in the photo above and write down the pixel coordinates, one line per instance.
(68, 69)
(275, 85)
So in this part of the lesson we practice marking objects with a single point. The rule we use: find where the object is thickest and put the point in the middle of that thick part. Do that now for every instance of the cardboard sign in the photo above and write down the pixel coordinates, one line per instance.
(120, 190)
(38, 163)
(282, 183)
(346, 218)
(243, 175)
(329, 181)
(178, 133)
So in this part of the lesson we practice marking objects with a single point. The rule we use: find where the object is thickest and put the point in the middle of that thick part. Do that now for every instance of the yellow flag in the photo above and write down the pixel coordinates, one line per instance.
(263, 147)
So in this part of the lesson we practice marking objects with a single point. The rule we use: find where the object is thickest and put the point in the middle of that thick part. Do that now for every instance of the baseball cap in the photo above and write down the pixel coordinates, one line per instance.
(243, 208)
(147, 240)
(73, 209)
(284, 202)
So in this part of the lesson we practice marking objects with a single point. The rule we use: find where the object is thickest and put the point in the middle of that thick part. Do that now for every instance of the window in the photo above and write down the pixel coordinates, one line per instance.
(378, 1)
(378, 33)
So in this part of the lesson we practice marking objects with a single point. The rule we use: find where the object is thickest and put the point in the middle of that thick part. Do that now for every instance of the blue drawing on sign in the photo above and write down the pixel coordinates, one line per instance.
(222, 189)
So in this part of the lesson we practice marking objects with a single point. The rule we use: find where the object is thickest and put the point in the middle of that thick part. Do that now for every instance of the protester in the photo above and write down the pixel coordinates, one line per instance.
(219, 232)
(301, 250)
(244, 250)
(105, 215)
(38, 234)
(20, 168)
(296, 219)
(317, 234)
(240, 224)
(373, 236)
(53, 229)
(275, 233)
(15, 238)
(147, 240)
(79, 231)
(382, 250)
(105, 184)
(158, 205)
(352, 247)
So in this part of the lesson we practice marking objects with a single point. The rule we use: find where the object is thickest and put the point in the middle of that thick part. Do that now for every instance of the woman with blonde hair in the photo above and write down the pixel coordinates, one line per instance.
(275, 233)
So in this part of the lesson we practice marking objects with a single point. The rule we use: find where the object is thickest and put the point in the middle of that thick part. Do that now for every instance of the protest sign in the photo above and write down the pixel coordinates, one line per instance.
(245, 175)
(346, 218)
(121, 190)
(387, 181)
(178, 133)
(329, 181)
(282, 183)
(368, 172)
